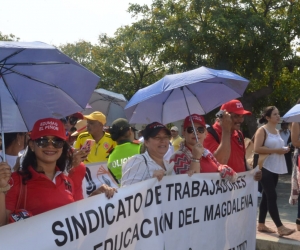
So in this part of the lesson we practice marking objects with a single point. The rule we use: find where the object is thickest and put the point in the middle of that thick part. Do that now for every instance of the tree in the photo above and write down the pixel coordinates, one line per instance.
(251, 38)
(81, 51)
(9, 37)
(127, 62)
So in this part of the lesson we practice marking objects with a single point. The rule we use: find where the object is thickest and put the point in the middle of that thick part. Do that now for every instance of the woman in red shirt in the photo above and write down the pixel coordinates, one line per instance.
(192, 157)
(43, 174)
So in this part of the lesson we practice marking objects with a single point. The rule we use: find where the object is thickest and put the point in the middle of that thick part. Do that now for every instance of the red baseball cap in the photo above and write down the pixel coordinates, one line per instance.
(48, 127)
(196, 118)
(235, 106)
(78, 115)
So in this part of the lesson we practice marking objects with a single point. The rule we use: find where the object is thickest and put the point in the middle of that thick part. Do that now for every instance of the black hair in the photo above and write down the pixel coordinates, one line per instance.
(64, 163)
(116, 133)
(9, 138)
(266, 113)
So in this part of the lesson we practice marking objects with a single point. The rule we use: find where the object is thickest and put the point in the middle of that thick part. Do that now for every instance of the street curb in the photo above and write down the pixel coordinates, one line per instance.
(273, 241)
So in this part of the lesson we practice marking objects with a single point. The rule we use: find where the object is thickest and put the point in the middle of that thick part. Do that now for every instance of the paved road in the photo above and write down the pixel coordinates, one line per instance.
(288, 215)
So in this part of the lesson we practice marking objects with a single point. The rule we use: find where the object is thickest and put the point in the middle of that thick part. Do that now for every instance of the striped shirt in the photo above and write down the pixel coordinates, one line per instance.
(138, 169)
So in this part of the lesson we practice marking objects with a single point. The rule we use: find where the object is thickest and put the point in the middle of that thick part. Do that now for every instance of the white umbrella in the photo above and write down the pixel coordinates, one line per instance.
(293, 115)
(111, 104)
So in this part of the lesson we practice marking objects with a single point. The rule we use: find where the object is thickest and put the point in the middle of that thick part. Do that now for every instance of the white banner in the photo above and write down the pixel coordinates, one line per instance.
(180, 212)
(96, 175)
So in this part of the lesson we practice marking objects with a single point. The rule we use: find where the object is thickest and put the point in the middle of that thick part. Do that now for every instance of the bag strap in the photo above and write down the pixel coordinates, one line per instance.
(214, 133)
(265, 136)
(242, 139)
(147, 165)
(22, 195)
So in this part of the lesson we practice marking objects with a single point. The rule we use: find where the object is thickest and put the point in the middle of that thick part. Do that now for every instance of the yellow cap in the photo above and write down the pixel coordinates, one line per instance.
(96, 116)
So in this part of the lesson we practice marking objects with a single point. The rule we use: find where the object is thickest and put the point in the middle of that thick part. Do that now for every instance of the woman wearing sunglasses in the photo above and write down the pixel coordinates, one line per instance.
(43, 174)
(192, 157)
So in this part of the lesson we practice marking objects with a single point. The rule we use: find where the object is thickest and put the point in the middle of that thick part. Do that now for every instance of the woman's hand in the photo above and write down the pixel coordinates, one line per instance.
(78, 157)
(197, 151)
(159, 174)
(5, 174)
(108, 191)
(194, 168)
(258, 175)
(281, 151)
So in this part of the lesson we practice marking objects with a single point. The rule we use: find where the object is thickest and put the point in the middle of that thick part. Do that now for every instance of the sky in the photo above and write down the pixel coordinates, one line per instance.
(64, 21)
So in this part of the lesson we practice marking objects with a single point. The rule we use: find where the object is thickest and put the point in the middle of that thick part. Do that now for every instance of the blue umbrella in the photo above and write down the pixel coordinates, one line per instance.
(293, 115)
(38, 81)
(175, 96)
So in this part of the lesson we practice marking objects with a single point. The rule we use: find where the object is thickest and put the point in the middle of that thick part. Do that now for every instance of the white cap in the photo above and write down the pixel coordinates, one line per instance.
(174, 128)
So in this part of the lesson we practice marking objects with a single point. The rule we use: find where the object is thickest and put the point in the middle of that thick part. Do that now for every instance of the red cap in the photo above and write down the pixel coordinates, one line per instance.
(235, 106)
(78, 115)
(196, 118)
(48, 127)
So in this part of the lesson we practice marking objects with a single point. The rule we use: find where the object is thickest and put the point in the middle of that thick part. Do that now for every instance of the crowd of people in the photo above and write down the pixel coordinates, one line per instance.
(49, 161)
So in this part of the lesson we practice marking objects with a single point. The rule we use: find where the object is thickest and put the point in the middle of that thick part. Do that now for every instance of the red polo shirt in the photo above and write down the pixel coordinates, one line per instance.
(236, 159)
(42, 193)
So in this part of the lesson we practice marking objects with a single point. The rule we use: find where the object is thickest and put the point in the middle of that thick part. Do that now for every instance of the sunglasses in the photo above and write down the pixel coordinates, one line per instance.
(190, 130)
(71, 119)
(45, 142)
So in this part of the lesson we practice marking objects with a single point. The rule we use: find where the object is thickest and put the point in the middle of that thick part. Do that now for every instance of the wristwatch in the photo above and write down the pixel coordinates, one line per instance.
(195, 160)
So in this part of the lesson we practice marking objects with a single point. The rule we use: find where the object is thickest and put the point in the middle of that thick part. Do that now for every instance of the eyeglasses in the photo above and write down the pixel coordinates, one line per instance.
(190, 130)
(163, 138)
(45, 142)
(71, 119)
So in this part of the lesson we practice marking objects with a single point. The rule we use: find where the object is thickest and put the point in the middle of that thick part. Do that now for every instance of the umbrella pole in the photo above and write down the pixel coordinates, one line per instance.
(2, 132)
(190, 114)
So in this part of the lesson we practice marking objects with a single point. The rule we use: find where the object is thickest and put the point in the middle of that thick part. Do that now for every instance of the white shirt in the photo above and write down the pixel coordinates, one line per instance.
(275, 163)
(138, 169)
(285, 136)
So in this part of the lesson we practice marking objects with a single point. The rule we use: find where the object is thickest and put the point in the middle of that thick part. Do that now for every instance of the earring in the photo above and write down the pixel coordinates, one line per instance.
(19, 143)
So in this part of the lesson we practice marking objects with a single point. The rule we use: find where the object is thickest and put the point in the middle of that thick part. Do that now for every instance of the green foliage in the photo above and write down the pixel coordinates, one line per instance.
(9, 37)
(256, 39)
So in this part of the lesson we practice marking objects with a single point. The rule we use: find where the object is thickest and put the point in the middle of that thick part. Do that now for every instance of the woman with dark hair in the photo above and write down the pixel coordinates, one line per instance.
(122, 133)
(268, 141)
(14, 144)
(150, 164)
(43, 174)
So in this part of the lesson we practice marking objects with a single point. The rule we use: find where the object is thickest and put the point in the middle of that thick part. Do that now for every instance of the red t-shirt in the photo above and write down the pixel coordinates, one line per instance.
(182, 163)
(237, 156)
(42, 193)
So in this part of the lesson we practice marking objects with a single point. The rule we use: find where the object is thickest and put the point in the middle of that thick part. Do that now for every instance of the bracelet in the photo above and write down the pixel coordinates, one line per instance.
(5, 189)
(195, 160)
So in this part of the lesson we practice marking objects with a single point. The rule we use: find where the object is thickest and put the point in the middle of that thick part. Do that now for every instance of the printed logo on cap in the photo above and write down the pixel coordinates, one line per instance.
(49, 125)
(156, 125)
(239, 105)
(195, 118)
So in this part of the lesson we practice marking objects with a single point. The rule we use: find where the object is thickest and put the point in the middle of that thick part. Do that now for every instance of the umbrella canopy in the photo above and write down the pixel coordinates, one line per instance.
(293, 115)
(175, 96)
(109, 103)
(38, 81)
